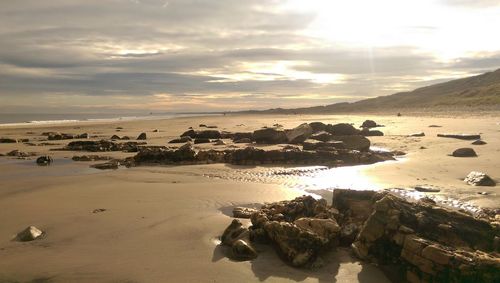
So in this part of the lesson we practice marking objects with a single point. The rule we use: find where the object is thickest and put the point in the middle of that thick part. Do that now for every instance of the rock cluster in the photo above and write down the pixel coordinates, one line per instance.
(54, 136)
(44, 160)
(253, 156)
(103, 145)
(90, 158)
(427, 243)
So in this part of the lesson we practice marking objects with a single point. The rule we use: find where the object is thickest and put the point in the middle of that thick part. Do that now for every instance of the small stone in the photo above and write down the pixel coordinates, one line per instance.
(142, 136)
(44, 160)
(420, 134)
(29, 234)
(479, 142)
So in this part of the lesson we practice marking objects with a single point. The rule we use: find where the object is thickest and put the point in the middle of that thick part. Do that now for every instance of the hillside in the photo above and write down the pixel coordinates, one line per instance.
(481, 91)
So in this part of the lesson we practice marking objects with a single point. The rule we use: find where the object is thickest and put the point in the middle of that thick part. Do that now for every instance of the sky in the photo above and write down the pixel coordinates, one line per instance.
(64, 56)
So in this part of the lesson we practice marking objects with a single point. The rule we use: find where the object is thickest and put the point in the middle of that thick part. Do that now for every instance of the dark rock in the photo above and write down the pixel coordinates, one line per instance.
(478, 142)
(156, 131)
(82, 136)
(234, 232)
(181, 140)
(103, 145)
(479, 179)
(369, 124)
(219, 142)
(20, 154)
(142, 136)
(269, 136)
(464, 152)
(114, 137)
(119, 128)
(90, 158)
(243, 140)
(434, 126)
(189, 133)
(299, 133)
(420, 134)
(317, 145)
(354, 142)
(371, 133)
(7, 140)
(208, 134)
(317, 126)
(201, 140)
(212, 127)
(44, 160)
(460, 136)
(99, 210)
(342, 129)
(240, 136)
(322, 136)
(242, 250)
(29, 234)
(111, 165)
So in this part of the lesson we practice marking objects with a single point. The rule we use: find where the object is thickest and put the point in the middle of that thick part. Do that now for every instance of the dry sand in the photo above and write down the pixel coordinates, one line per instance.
(161, 223)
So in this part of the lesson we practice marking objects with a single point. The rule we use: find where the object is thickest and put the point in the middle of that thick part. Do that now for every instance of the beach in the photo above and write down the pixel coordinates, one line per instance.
(162, 223)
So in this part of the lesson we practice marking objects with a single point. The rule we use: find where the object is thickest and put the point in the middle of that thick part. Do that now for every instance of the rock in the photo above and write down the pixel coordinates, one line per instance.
(202, 126)
(234, 232)
(322, 136)
(219, 142)
(82, 136)
(44, 160)
(243, 212)
(239, 136)
(479, 179)
(125, 138)
(20, 154)
(342, 129)
(183, 139)
(420, 134)
(90, 158)
(299, 133)
(479, 142)
(269, 136)
(111, 165)
(59, 136)
(99, 210)
(241, 250)
(29, 234)
(369, 124)
(328, 229)
(434, 126)
(201, 140)
(208, 134)
(142, 136)
(243, 140)
(426, 189)
(103, 145)
(460, 136)
(354, 142)
(371, 133)
(413, 236)
(189, 133)
(399, 114)
(119, 128)
(114, 137)
(7, 140)
(212, 127)
(464, 152)
(316, 145)
(317, 126)
(156, 131)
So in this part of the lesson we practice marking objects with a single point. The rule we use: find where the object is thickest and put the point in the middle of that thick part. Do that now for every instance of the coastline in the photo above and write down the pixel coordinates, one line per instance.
(163, 221)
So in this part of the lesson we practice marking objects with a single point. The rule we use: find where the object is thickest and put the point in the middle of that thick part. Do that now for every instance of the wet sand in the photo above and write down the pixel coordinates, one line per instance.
(161, 223)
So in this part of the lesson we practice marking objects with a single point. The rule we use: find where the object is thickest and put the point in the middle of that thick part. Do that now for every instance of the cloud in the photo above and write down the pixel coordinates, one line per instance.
(202, 53)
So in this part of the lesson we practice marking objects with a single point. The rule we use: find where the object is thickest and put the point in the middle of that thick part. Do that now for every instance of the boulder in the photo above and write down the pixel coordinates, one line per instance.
(44, 160)
(201, 140)
(371, 133)
(29, 234)
(342, 129)
(356, 142)
(269, 136)
(114, 137)
(460, 136)
(208, 134)
(479, 179)
(299, 133)
(317, 145)
(142, 136)
(238, 136)
(322, 136)
(317, 126)
(7, 140)
(464, 152)
(189, 133)
(243, 212)
(478, 142)
(369, 124)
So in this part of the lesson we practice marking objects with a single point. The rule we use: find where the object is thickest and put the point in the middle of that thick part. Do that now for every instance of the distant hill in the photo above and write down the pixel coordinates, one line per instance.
(478, 92)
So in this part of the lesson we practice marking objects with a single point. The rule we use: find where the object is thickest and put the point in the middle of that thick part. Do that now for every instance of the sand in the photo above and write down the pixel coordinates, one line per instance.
(161, 224)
